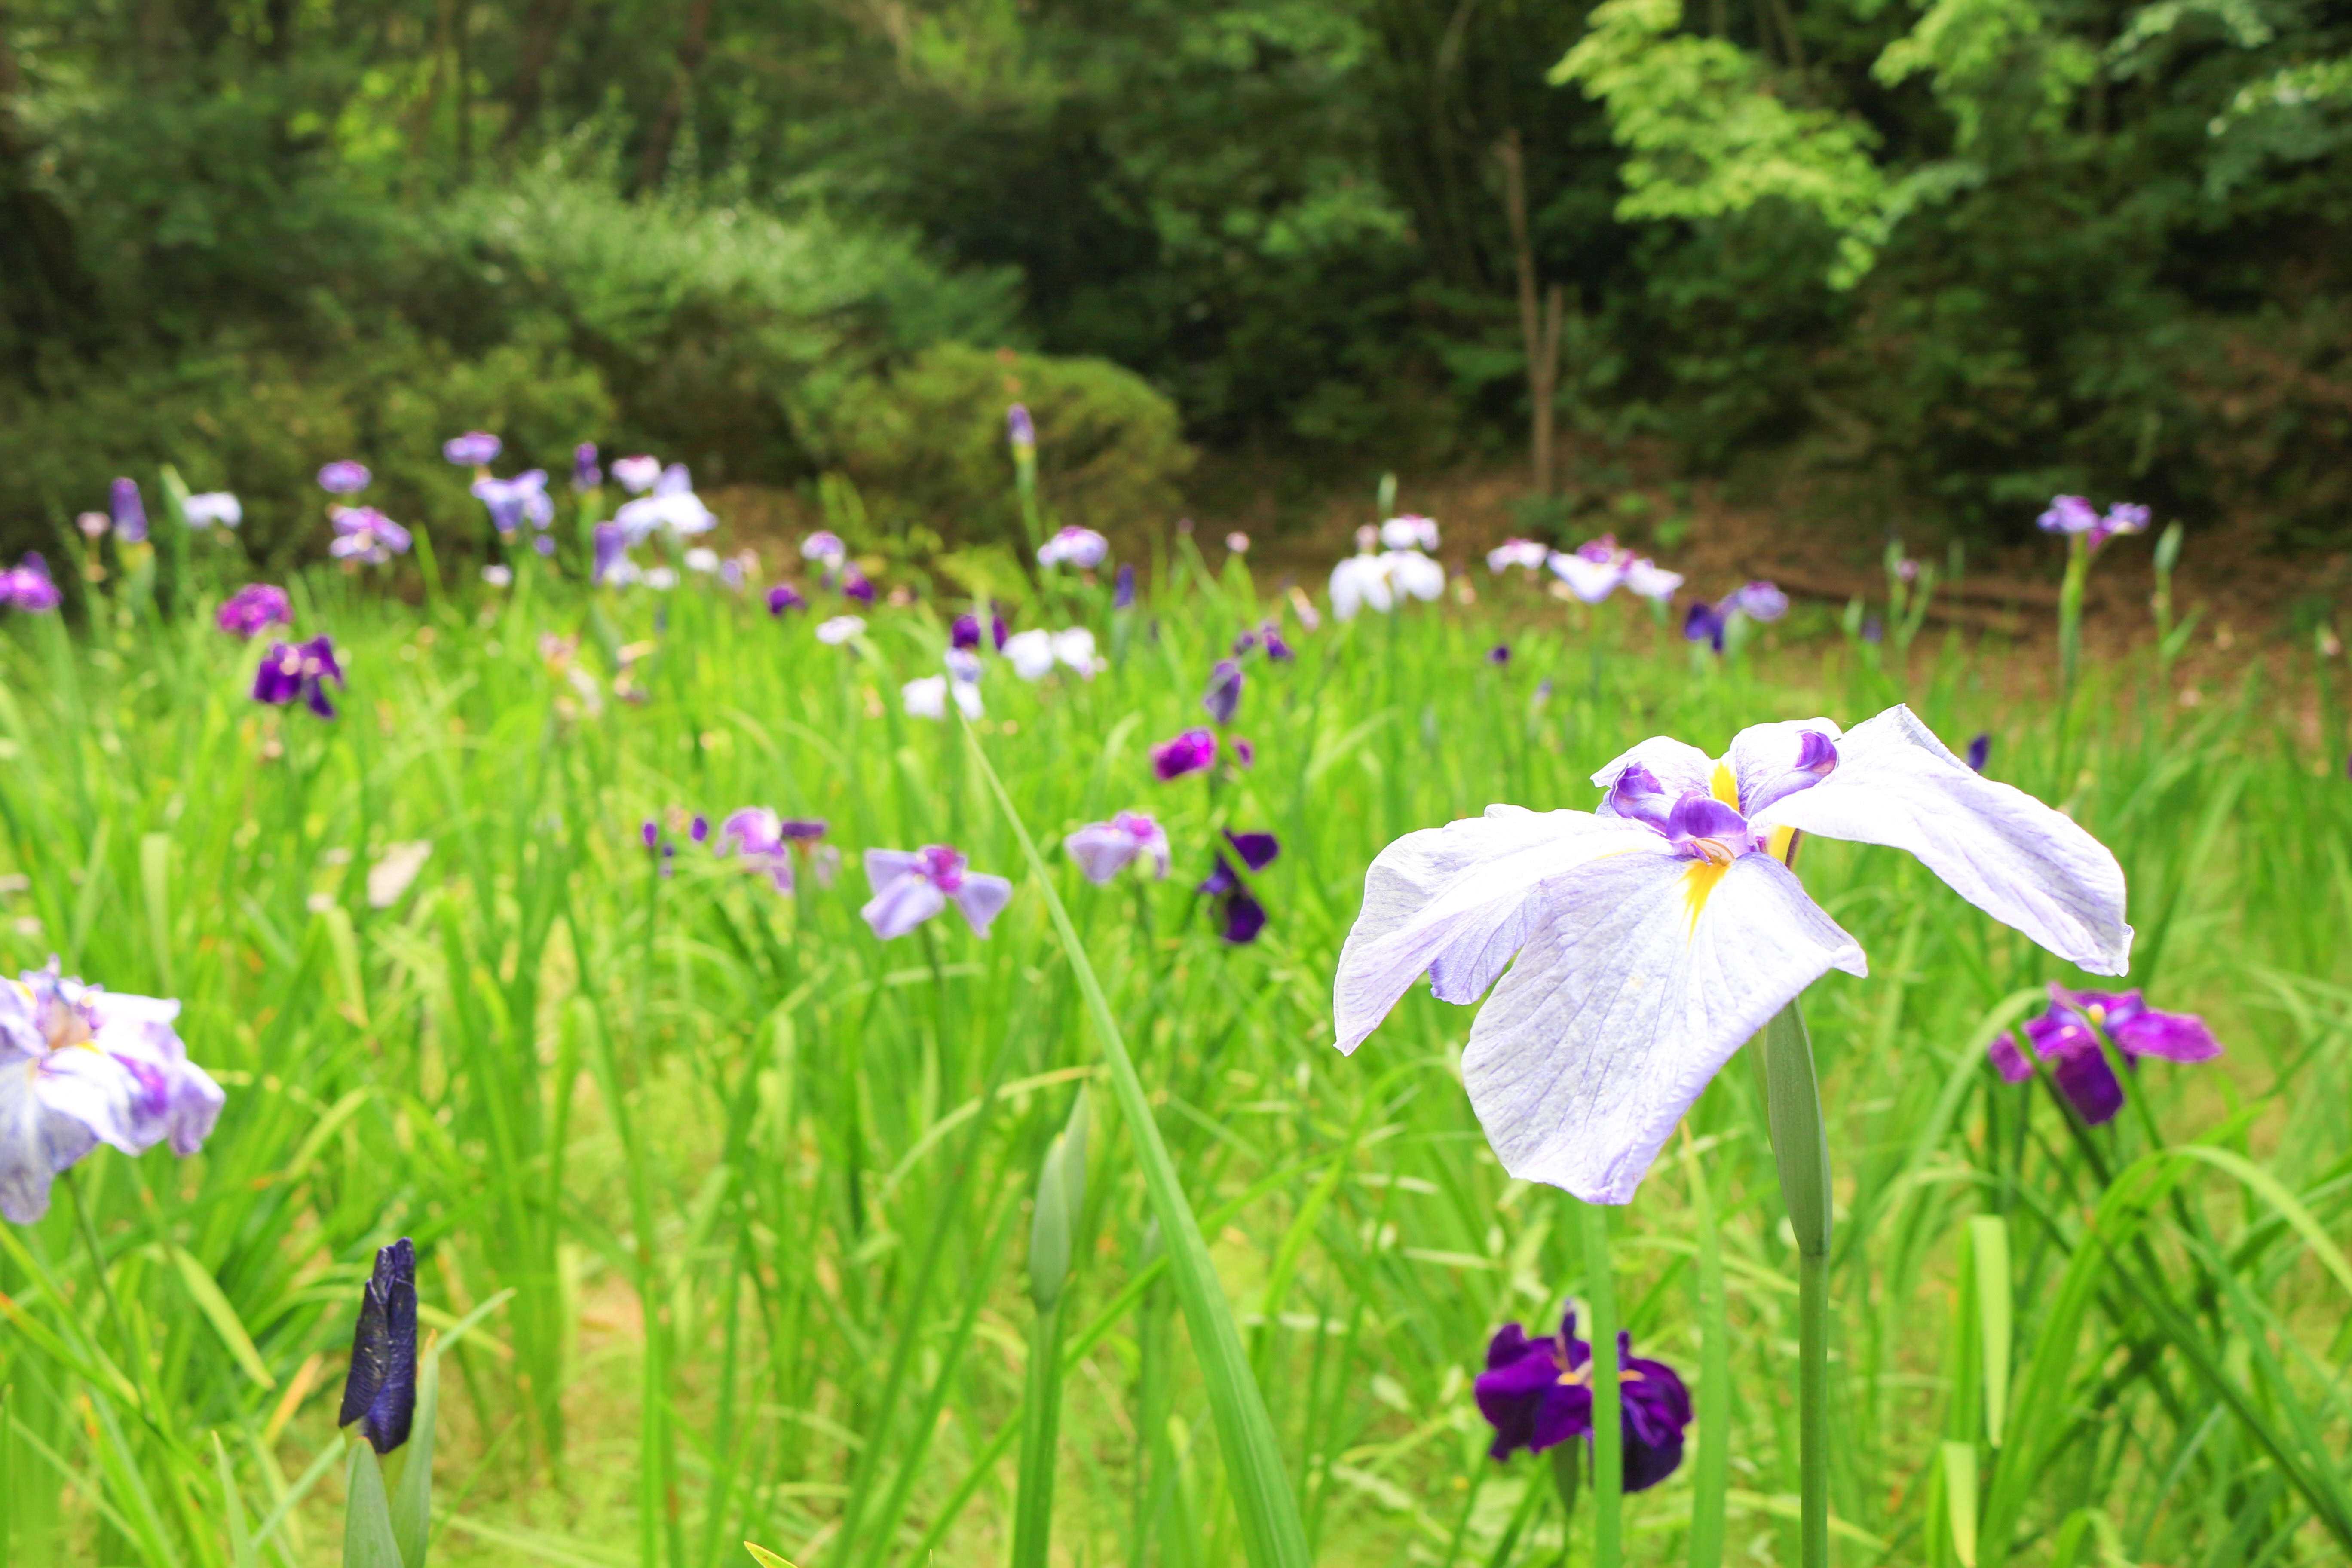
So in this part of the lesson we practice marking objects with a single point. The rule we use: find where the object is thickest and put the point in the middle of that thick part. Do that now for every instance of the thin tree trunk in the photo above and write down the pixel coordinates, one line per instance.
(542, 30)
(664, 134)
(1539, 318)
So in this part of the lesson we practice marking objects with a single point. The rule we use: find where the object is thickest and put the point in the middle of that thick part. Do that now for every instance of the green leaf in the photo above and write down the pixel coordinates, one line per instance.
(765, 1558)
(1960, 1500)
(223, 1316)
(241, 1538)
(1989, 1242)
(412, 1503)
(368, 1540)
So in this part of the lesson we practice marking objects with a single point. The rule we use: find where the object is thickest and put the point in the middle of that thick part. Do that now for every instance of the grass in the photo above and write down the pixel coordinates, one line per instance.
(758, 1184)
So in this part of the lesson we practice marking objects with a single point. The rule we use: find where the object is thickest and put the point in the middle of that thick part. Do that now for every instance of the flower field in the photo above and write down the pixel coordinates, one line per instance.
(740, 981)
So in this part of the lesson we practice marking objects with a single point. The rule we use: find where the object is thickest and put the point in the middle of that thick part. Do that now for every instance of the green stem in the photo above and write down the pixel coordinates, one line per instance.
(1033, 1516)
(1801, 1147)
(1608, 1403)
(134, 1362)
(2070, 646)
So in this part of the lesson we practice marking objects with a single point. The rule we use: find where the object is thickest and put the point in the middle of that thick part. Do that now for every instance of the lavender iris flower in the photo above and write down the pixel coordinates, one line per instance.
(1646, 579)
(1242, 915)
(854, 585)
(253, 609)
(758, 834)
(1361, 583)
(1979, 751)
(344, 478)
(1019, 429)
(129, 511)
(1706, 624)
(380, 1390)
(825, 548)
(1594, 569)
(1080, 547)
(512, 502)
(911, 886)
(2067, 1037)
(80, 1066)
(1759, 600)
(28, 586)
(473, 450)
(289, 670)
(1524, 553)
(638, 474)
(1190, 753)
(1103, 850)
(612, 563)
(837, 631)
(1664, 930)
(671, 505)
(1224, 693)
(210, 507)
(784, 597)
(363, 533)
(2074, 515)
(1537, 1393)
(585, 474)
(1122, 592)
(1410, 531)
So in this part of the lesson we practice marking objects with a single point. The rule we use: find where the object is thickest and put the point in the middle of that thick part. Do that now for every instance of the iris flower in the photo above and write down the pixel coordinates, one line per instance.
(839, 629)
(473, 450)
(1080, 547)
(1499, 654)
(1224, 696)
(585, 474)
(1019, 428)
(1373, 582)
(512, 502)
(1646, 579)
(825, 548)
(80, 1066)
(1537, 1393)
(28, 586)
(363, 533)
(1122, 592)
(638, 474)
(1243, 916)
(672, 507)
(1759, 600)
(1190, 753)
(613, 567)
(854, 585)
(211, 507)
(927, 698)
(255, 608)
(2072, 514)
(1705, 623)
(1525, 552)
(910, 886)
(1594, 569)
(1103, 850)
(129, 511)
(1410, 531)
(2067, 1037)
(380, 1390)
(758, 834)
(1657, 934)
(289, 670)
(344, 478)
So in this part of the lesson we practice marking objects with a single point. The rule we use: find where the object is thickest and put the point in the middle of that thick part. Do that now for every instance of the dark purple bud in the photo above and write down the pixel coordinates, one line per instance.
(473, 450)
(996, 628)
(964, 634)
(1244, 917)
(1979, 751)
(650, 833)
(1018, 427)
(380, 1390)
(784, 597)
(1705, 624)
(1224, 693)
(585, 474)
(700, 829)
(1244, 643)
(1276, 648)
(344, 478)
(1499, 654)
(130, 512)
(1122, 592)
(1244, 754)
(854, 585)
(1190, 753)
(802, 830)
(1257, 850)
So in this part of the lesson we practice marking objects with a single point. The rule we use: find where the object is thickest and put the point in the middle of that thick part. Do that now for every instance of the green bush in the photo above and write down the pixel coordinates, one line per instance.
(928, 442)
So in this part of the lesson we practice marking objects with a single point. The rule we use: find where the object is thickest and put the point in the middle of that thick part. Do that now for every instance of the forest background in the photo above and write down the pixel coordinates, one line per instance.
(1939, 261)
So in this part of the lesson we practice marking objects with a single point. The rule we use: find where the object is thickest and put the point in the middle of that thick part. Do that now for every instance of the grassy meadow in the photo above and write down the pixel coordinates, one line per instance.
(750, 1189)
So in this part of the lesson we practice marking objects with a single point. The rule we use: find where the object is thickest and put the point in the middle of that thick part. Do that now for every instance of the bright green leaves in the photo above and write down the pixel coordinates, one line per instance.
(1705, 136)
(1995, 68)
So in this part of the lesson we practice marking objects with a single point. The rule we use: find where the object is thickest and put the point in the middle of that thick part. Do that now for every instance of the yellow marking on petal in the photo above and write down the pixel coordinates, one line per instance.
(1699, 884)
(1725, 786)
(1777, 845)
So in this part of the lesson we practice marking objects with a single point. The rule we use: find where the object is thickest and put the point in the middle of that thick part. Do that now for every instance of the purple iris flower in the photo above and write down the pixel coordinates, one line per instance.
(1073, 546)
(1243, 917)
(911, 886)
(380, 1390)
(1706, 624)
(1760, 600)
(1499, 654)
(289, 670)
(784, 597)
(763, 838)
(585, 474)
(1277, 650)
(1103, 850)
(1189, 752)
(363, 533)
(1537, 1393)
(699, 828)
(80, 1066)
(253, 609)
(2074, 515)
(650, 831)
(512, 502)
(964, 634)
(1122, 591)
(343, 478)
(638, 474)
(1655, 936)
(1244, 643)
(473, 450)
(1224, 696)
(28, 586)
(130, 512)
(2067, 1037)
(1979, 751)
(854, 585)
(612, 550)
(1019, 428)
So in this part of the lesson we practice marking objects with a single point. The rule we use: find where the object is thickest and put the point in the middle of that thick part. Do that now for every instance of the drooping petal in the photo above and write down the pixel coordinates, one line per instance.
(900, 905)
(2021, 862)
(2009, 1059)
(981, 898)
(1456, 903)
(36, 1140)
(2175, 1036)
(2082, 1075)
(1640, 979)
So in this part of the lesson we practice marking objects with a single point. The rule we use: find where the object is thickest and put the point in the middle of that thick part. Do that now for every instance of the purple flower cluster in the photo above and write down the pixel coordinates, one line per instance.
(1537, 1393)
(28, 586)
(2075, 517)
(1757, 600)
(254, 609)
(363, 533)
(1240, 915)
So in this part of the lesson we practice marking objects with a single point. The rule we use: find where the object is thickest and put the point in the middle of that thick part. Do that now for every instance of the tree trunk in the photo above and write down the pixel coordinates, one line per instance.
(1540, 322)
(542, 30)
(664, 133)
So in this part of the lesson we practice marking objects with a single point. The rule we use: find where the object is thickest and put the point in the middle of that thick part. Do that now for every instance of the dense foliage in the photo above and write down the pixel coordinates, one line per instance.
(1960, 255)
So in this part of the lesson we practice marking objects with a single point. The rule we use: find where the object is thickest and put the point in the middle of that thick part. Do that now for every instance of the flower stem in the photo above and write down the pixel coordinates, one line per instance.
(1801, 1147)
(1608, 1403)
